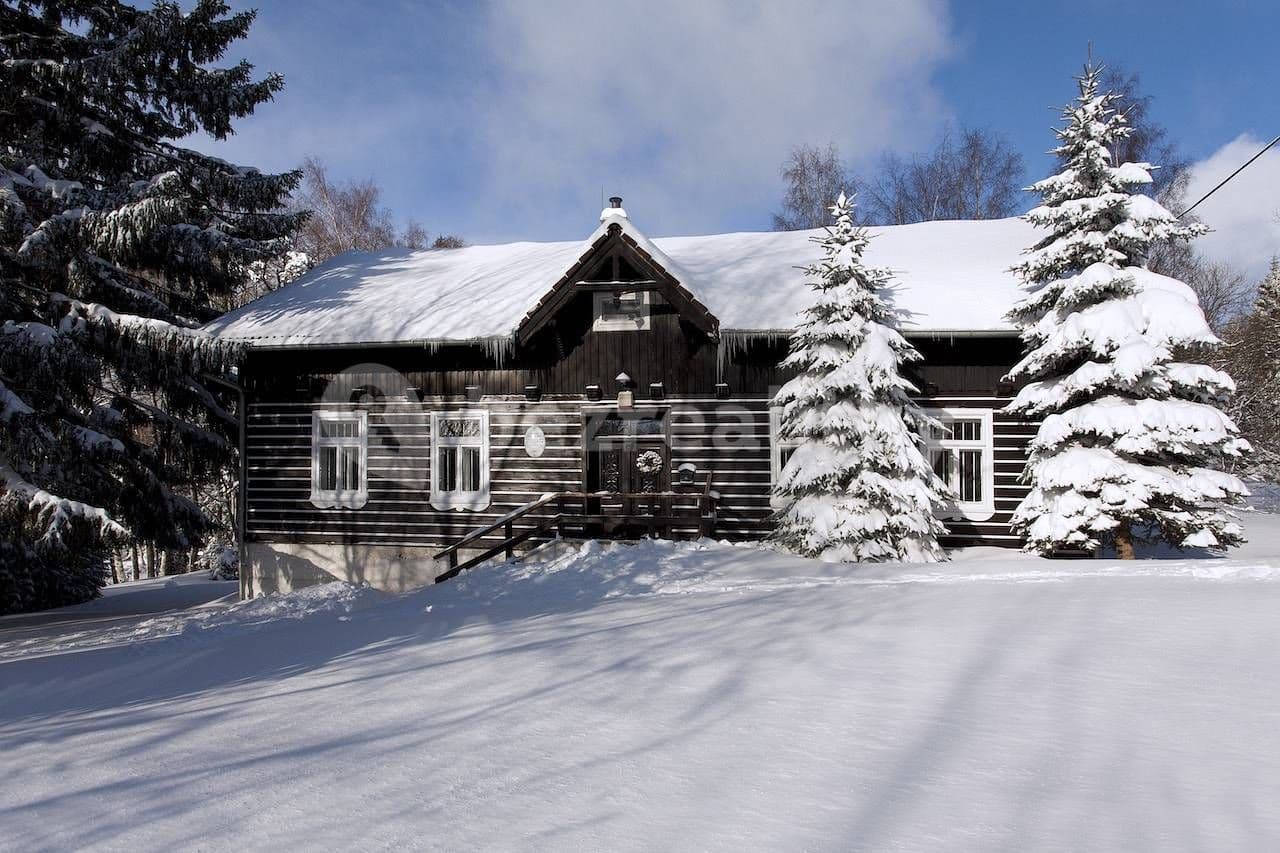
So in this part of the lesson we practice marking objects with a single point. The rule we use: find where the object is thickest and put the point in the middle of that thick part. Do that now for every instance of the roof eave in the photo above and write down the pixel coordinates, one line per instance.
(910, 332)
(424, 343)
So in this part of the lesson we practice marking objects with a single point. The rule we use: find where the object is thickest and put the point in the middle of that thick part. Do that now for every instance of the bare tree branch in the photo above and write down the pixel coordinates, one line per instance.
(1149, 142)
(349, 216)
(976, 175)
(815, 178)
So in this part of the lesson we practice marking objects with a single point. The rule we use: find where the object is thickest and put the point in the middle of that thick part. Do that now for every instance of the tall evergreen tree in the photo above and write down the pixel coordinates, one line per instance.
(114, 244)
(1264, 324)
(1261, 418)
(1268, 302)
(1252, 355)
(858, 485)
(1131, 434)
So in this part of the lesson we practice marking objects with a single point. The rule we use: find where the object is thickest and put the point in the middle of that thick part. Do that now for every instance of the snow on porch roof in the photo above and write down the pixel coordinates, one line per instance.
(951, 277)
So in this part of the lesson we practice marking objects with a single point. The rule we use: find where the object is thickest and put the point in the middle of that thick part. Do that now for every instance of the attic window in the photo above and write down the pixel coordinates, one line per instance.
(621, 312)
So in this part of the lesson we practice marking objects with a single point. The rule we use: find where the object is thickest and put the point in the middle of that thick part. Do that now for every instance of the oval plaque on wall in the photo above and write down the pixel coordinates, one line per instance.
(535, 441)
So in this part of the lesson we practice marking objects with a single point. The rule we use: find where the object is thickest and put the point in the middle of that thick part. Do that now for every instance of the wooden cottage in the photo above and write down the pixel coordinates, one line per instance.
(409, 411)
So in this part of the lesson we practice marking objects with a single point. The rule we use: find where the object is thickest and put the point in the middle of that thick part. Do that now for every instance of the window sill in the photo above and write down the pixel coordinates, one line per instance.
(974, 513)
(446, 504)
(609, 325)
(329, 500)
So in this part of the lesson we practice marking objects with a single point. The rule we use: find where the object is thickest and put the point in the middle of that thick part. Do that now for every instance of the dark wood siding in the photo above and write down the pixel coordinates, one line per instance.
(727, 437)
(398, 512)
(731, 441)
(563, 360)
(671, 352)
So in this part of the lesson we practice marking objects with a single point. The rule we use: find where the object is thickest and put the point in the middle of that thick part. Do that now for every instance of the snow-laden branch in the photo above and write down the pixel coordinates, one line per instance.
(194, 433)
(1129, 435)
(857, 486)
(81, 316)
(57, 515)
(11, 404)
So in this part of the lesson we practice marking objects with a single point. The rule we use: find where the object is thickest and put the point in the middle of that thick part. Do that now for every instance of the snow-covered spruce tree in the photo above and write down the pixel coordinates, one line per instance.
(1267, 309)
(1131, 434)
(1264, 374)
(114, 244)
(858, 486)
(1252, 357)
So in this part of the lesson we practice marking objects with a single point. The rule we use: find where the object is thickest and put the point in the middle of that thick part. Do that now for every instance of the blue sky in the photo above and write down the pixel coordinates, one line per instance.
(505, 120)
(1208, 65)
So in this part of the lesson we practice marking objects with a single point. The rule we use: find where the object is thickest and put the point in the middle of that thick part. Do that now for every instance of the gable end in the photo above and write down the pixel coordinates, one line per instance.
(616, 240)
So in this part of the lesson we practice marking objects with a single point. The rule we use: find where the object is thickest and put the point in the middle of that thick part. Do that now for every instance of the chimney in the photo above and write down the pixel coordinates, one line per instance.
(614, 210)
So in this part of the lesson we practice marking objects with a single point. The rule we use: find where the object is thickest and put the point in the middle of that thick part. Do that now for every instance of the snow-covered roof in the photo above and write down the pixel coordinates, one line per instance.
(951, 277)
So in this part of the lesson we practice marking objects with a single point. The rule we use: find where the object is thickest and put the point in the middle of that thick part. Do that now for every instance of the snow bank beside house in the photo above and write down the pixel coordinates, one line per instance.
(696, 696)
(657, 567)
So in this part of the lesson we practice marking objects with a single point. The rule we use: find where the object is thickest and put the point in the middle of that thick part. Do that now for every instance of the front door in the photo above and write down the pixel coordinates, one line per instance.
(627, 451)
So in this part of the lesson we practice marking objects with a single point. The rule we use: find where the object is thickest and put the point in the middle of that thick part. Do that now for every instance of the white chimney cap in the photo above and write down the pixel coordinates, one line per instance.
(614, 209)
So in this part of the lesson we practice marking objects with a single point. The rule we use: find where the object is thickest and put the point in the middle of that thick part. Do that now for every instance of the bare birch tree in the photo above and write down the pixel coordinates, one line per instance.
(1149, 142)
(973, 174)
(349, 216)
(814, 178)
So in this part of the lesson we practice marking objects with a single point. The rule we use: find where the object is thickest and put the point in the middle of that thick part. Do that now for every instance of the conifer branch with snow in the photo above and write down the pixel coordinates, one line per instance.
(858, 486)
(115, 244)
(1133, 437)
(1252, 354)
(1267, 305)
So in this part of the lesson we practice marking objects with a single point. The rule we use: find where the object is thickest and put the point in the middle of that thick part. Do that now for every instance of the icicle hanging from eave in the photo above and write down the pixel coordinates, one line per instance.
(735, 341)
(497, 347)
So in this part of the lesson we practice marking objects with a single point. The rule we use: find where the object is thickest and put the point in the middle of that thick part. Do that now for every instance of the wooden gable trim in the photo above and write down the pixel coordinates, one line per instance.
(566, 287)
(676, 293)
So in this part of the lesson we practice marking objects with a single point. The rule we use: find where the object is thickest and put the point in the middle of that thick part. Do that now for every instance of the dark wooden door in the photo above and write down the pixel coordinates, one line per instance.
(649, 466)
(607, 467)
(627, 452)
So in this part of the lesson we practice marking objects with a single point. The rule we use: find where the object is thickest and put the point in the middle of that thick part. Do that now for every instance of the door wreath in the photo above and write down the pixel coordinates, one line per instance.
(649, 462)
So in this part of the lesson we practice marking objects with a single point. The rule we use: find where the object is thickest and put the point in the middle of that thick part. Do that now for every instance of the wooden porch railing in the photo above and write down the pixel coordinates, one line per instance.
(605, 512)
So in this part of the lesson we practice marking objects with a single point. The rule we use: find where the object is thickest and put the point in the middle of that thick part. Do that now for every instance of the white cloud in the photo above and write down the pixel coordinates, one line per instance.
(688, 108)
(507, 120)
(1243, 213)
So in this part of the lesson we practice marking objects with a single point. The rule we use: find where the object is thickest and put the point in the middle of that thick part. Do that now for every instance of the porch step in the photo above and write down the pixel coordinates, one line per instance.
(636, 514)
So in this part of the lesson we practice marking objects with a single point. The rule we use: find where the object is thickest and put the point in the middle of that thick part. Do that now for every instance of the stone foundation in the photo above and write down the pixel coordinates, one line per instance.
(284, 566)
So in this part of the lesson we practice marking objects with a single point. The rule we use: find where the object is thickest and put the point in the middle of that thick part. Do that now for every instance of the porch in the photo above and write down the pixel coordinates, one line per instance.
(683, 511)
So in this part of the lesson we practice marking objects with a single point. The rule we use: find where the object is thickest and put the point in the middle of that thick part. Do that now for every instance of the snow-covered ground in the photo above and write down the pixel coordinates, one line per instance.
(114, 614)
(659, 696)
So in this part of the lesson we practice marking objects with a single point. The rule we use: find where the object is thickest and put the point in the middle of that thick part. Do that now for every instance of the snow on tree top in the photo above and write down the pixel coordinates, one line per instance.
(949, 277)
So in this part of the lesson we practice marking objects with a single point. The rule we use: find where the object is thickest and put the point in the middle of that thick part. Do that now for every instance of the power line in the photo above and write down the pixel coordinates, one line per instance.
(1229, 177)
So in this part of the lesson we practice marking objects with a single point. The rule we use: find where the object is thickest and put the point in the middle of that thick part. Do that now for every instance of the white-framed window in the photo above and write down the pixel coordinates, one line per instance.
(618, 312)
(339, 459)
(961, 453)
(780, 450)
(460, 460)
